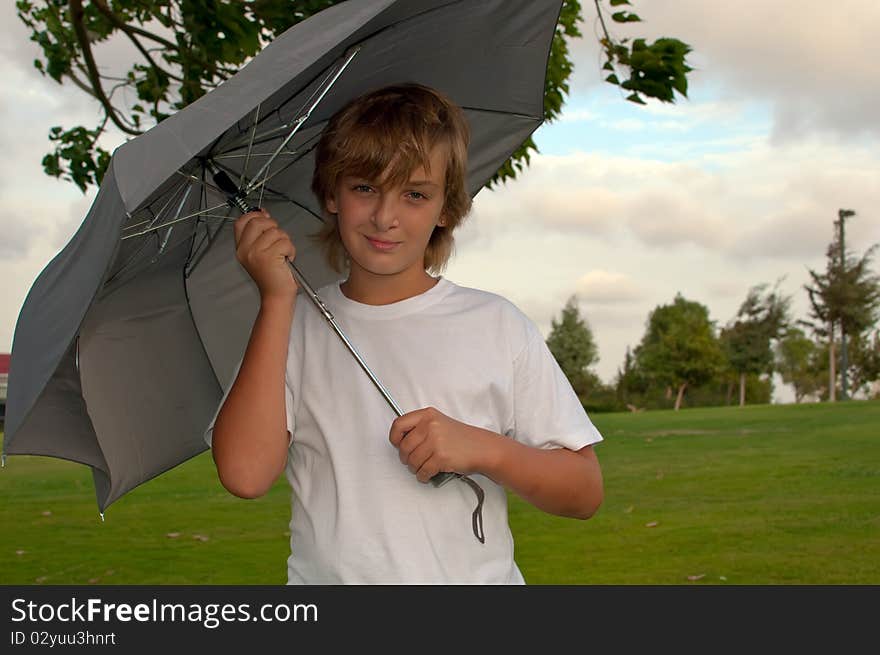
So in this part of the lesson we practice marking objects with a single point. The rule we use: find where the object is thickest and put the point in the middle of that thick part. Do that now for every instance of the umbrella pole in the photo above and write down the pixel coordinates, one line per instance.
(439, 479)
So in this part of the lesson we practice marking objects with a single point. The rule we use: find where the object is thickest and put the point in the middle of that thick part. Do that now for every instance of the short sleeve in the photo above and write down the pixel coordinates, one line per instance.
(289, 410)
(547, 412)
(288, 407)
(209, 433)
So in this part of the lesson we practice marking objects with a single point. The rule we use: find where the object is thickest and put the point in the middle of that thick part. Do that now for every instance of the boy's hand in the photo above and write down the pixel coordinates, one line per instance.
(429, 442)
(263, 249)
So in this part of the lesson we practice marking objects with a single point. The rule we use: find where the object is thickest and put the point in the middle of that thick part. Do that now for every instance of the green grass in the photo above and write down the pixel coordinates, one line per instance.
(757, 495)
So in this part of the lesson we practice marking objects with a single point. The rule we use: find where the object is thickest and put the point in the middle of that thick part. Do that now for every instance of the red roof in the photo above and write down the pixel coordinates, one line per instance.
(4, 362)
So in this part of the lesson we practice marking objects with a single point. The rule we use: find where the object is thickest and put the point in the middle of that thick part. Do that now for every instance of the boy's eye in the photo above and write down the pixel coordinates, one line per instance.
(415, 195)
(362, 188)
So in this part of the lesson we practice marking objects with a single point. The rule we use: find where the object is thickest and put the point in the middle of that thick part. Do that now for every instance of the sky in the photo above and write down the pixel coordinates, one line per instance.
(624, 206)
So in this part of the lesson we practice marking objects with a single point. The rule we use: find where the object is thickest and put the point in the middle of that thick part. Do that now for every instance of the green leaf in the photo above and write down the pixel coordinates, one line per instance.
(625, 17)
(634, 97)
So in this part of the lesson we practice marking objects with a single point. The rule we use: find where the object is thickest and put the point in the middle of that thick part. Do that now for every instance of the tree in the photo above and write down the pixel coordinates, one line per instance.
(845, 299)
(801, 363)
(572, 344)
(679, 347)
(747, 340)
(185, 48)
(864, 361)
(629, 384)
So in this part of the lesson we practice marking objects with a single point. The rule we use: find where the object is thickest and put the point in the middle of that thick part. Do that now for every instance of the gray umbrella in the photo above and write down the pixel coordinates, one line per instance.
(130, 334)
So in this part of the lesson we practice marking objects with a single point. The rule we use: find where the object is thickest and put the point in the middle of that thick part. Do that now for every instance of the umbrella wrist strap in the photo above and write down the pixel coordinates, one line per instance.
(477, 518)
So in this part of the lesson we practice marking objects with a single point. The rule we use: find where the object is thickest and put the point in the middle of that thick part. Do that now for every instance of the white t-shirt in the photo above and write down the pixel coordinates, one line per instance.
(359, 516)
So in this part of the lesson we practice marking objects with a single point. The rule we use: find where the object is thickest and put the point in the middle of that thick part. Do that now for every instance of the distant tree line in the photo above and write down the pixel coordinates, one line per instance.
(685, 360)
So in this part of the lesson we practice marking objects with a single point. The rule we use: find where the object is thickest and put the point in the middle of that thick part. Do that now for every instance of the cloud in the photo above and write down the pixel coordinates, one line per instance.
(19, 233)
(813, 62)
(602, 287)
(727, 288)
(33, 225)
(626, 125)
(580, 115)
(551, 195)
(674, 217)
(585, 209)
(756, 202)
(64, 229)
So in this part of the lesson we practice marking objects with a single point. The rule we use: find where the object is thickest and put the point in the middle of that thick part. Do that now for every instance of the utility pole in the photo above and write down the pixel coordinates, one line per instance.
(843, 214)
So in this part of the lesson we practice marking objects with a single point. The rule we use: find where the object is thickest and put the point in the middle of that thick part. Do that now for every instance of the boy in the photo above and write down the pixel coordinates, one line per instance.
(481, 393)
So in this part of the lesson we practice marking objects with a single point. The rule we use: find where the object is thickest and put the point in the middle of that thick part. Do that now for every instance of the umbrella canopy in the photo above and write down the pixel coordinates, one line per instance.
(130, 334)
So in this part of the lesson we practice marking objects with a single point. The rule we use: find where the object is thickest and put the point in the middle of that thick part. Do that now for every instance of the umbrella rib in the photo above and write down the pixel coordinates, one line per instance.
(266, 179)
(168, 234)
(290, 153)
(177, 220)
(281, 194)
(247, 160)
(158, 214)
(307, 107)
(208, 185)
(280, 170)
(137, 253)
(191, 265)
(236, 141)
(223, 216)
(277, 111)
(203, 200)
(261, 138)
(267, 137)
(484, 110)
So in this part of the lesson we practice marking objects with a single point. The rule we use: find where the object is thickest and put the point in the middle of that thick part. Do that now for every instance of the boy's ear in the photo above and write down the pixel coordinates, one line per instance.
(330, 204)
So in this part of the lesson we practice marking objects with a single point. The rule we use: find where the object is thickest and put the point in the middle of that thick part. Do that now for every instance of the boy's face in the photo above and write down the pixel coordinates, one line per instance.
(385, 229)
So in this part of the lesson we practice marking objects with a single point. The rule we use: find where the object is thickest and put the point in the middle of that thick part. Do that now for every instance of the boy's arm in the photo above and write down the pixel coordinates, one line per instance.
(558, 480)
(250, 438)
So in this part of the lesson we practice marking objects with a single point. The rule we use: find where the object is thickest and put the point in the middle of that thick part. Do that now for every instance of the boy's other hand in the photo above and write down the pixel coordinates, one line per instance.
(429, 442)
(263, 249)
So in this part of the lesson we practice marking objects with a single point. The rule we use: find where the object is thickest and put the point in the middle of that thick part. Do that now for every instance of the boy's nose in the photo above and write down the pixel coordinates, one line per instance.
(385, 214)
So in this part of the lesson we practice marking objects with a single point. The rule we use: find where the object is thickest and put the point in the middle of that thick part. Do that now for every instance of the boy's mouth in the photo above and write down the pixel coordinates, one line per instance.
(381, 245)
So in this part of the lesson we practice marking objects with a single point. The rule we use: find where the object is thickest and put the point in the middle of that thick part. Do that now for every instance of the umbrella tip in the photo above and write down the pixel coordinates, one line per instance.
(101, 514)
(3, 461)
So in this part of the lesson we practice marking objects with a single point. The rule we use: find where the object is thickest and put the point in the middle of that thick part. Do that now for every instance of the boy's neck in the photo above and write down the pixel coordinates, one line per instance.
(371, 289)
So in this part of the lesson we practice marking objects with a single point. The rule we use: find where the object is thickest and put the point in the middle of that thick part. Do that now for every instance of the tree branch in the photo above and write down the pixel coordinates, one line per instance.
(130, 29)
(146, 54)
(76, 17)
(82, 85)
(602, 22)
(131, 32)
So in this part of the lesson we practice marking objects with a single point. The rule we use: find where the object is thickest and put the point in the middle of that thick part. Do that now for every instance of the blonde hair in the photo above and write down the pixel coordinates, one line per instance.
(394, 128)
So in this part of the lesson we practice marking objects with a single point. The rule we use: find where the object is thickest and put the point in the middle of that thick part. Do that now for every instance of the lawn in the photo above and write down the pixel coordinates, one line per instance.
(757, 495)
